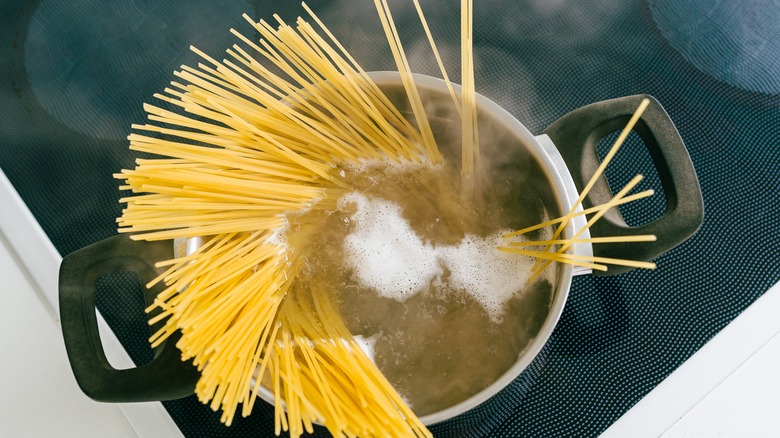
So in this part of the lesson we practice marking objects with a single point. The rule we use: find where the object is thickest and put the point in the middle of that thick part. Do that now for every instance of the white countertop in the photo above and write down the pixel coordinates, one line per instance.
(41, 397)
(731, 387)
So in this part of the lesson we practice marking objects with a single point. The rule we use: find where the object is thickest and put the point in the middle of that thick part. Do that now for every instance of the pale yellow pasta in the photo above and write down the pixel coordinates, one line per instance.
(241, 147)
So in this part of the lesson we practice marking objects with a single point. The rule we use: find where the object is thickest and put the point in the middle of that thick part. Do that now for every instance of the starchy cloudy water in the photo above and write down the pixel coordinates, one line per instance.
(413, 268)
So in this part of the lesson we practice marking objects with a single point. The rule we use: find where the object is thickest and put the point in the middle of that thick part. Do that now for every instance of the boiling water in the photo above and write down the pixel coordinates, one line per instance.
(416, 275)
(387, 256)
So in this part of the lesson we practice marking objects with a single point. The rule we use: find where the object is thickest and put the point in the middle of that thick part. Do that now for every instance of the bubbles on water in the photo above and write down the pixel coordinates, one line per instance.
(490, 276)
(386, 255)
(367, 344)
(279, 235)
(384, 252)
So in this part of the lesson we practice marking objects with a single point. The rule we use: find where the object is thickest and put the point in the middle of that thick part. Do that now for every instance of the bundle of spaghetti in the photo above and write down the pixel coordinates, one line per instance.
(251, 137)
(312, 351)
(546, 257)
(244, 142)
(224, 299)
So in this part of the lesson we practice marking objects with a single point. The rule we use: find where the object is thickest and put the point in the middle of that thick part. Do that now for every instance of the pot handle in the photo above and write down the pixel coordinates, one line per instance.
(576, 135)
(166, 377)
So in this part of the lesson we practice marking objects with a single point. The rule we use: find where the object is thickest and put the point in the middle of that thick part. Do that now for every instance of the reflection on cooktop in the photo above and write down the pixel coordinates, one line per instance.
(92, 64)
(735, 42)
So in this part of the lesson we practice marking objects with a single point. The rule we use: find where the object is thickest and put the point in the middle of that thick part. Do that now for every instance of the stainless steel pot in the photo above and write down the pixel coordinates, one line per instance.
(560, 162)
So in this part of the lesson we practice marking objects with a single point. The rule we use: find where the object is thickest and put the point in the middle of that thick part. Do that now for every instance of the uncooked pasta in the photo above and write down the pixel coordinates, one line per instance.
(248, 148)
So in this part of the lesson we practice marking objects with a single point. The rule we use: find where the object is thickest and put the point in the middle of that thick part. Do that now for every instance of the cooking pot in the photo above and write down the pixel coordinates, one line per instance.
(555, 166)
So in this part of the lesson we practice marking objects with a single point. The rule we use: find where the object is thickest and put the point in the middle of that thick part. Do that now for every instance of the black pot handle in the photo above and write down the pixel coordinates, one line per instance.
(576, 135)
(166, 377)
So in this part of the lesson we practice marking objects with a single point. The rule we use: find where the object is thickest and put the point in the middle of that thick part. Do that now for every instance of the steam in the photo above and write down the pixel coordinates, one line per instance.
(517, 47)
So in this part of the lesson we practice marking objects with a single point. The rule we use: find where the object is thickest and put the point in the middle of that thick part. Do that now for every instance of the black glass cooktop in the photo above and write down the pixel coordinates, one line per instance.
(74, 75)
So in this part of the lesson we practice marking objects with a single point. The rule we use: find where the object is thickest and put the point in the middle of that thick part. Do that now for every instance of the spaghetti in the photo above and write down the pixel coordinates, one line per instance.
(242, 146)
(469, 133)
(546, 256)
(246, 141)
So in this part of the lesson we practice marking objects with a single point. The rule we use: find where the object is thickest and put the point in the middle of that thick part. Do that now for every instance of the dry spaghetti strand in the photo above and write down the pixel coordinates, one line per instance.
(437, 56)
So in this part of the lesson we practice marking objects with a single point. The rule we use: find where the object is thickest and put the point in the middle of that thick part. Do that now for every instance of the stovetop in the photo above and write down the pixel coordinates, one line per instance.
(74, 77)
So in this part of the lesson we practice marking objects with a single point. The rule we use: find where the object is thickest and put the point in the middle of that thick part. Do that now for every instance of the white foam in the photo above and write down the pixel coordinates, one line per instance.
(367, 345)
(384, 251)
(279, 235)
(386, 255)
(490, 276)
